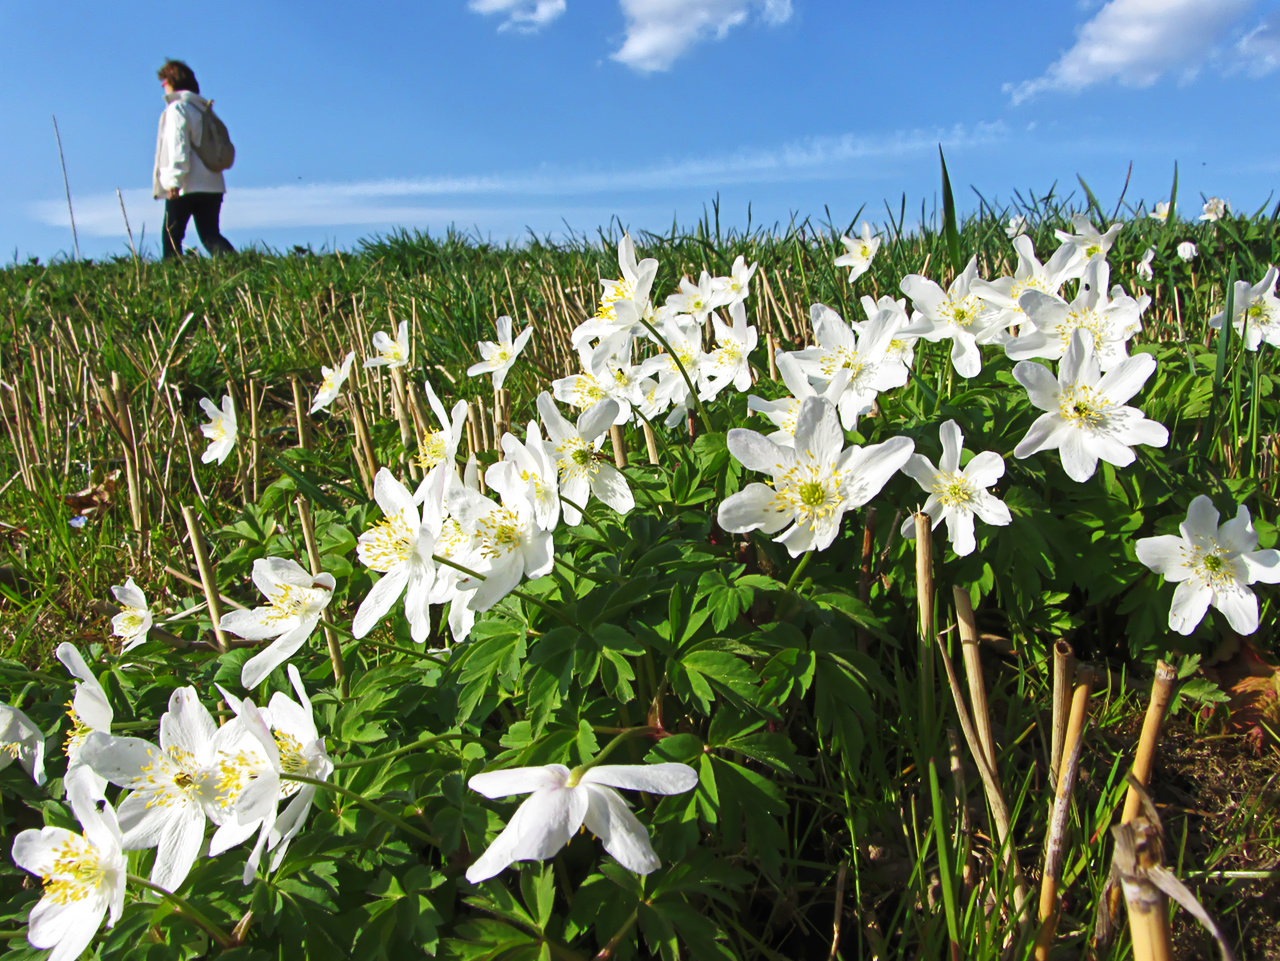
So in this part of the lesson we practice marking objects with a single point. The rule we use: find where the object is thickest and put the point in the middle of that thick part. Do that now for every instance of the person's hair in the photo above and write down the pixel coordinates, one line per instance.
(179, 75)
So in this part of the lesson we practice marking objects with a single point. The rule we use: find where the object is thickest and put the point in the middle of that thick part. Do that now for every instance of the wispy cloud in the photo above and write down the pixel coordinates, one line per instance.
(415, 200)
(1258, 51)
(660, 31)
(526, 16)
(1136, 42)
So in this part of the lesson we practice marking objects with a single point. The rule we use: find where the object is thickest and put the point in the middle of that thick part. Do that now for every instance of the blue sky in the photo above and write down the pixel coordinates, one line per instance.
(503, 116)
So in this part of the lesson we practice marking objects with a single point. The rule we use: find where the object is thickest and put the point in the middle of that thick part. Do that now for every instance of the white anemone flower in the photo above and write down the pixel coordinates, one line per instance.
(581, 467)
(956, 496)
(21, 741)
(561, 801)
(903, 345)
(858, 253)
(534, 460)
(1109, 321)
(1003, 294)
(134, 620)
(497, 358)
(737, 286)
(399, 547)
(1087, 238)
(83, 874)
(1017, 225)
(1161, 211)
(1215, 208)
(863, 353)
(1257, 312)
(1187, 251)
(438, 447)
(957, 315)
(390, 352)
(729, 363)
(813, 484)
(295, 601)
(221, 429)
(1144, 268)
(507, 545)
(173, 788)
(1212, 565)
(89, 709)
(605, 373)
(696, 300)
(631, 291)
(784, 413)
(287, 737)
(1085, 414)
(331, 383)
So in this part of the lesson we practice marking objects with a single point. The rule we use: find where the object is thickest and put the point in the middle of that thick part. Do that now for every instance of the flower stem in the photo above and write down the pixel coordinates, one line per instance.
(693, 394)
(609, 748)
(405, 749)
(365, 803)
(186, 910)
(590, 520)
(795, 575)
(514, 592)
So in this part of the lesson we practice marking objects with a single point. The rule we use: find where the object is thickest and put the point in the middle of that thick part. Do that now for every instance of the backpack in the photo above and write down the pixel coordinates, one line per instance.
(215, 149)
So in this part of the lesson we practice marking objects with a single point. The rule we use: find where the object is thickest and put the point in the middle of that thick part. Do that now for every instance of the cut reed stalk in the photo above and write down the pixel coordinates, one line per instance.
(301, 421)
(1161, 693)
(650, 443)
(619, 446)
(969, 643)
(1064, 669)
(1055, 843)
(924, 598)
(313, 557)
(208, 581)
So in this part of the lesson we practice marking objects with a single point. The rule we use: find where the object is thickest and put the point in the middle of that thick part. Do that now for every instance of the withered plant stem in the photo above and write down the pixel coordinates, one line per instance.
(1161, 693)
(208, 581)
(1064, 669)
(1056, 840)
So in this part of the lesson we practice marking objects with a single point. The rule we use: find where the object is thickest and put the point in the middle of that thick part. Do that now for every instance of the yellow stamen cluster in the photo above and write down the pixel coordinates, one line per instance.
(292, 760)
(842, 358)
(1083, 407)
(586, 391)
(576, 457)
(76, 873)
(961, 313)
(500, 533)
(172, 778)
(11, 748)
(1020, 287)
(1086, 320)
(79, 730)
(809, 493)
(614, 291)
(954, 490)
(431, 449)
(1212, 565)
(387, 543)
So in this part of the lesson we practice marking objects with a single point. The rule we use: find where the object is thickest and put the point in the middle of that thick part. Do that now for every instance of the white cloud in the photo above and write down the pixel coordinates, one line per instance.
(526, 16)
(659, 31)
(1135, 42)
(1258, 51)
(426, 199)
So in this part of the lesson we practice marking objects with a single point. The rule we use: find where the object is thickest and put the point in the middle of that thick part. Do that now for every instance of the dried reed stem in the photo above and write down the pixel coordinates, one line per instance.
(313, 557)
(1161, 693)
(207, 579)
(650, 443)
(300, 419)
(973, 672)
(924, 598)
(1055, 843)
(619, 446)
(1064, 669)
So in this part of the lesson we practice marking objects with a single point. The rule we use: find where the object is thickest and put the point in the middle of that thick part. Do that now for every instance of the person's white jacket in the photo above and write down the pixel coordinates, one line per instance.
(177, 164)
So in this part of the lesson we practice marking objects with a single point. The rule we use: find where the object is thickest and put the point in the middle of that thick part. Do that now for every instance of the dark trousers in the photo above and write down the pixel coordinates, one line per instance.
(205, 207)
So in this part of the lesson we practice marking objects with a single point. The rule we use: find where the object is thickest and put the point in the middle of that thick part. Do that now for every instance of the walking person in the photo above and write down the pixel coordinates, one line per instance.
(189, 188)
